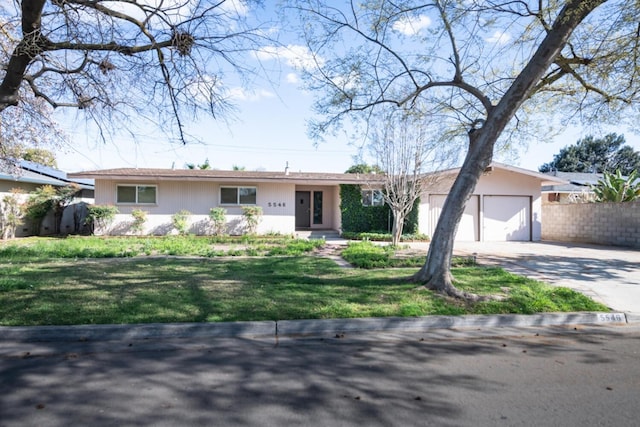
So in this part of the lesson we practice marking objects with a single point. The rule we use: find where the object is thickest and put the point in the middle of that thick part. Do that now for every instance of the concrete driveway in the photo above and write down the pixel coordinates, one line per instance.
(610, 275)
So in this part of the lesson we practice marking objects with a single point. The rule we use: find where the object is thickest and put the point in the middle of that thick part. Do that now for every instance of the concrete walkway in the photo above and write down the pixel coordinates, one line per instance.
(610, 275)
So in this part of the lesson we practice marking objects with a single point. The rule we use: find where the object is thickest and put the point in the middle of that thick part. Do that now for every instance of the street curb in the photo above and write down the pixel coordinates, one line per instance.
(403, 324)
(137, 331)
(321, 327)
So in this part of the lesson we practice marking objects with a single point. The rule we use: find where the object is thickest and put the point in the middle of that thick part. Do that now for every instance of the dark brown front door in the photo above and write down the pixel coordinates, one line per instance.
(303, 209)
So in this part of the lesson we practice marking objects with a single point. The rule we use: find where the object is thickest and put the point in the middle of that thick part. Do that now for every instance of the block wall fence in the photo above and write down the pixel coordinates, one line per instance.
(616, 224)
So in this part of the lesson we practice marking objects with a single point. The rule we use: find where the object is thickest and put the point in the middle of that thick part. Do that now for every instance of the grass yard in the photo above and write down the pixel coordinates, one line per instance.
(55, 286)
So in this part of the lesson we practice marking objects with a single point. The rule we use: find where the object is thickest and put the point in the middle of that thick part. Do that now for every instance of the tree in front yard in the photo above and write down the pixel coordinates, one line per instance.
(405, 150)
(483, 69)
(123, 61)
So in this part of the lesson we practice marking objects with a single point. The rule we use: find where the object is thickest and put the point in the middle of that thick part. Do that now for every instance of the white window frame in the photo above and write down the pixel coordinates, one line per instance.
(137, 202)
(374, 201)
(237, 188)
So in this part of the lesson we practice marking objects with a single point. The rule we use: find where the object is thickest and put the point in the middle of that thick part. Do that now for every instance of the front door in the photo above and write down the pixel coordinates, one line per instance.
(303, 209)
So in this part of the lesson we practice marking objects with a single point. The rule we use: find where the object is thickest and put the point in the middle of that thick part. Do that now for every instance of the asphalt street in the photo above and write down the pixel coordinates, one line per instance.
(562, 375)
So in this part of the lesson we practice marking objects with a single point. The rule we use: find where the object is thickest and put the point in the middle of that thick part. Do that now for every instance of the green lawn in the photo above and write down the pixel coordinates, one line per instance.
(36, 289)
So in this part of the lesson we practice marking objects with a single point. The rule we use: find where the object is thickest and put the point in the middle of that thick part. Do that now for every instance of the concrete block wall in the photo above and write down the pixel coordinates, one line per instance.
(616, 224)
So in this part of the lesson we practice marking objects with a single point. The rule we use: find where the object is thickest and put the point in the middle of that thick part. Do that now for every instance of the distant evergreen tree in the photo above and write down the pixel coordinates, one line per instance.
(596, 155)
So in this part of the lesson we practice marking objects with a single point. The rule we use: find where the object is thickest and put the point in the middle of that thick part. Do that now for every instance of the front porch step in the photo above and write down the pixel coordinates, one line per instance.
(317, 234)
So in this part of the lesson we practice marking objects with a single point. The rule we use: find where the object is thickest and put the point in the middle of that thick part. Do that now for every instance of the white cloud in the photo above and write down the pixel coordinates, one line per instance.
(410, 26)
(499, 37)
(293, 78)
(241, 94)
(296, 56)
(238, 6)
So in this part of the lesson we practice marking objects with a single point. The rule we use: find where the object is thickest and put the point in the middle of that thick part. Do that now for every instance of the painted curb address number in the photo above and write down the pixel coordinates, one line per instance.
(612, 317)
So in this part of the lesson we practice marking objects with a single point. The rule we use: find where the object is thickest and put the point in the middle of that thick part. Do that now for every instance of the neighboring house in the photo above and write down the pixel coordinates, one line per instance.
(28, 176)
(577, 187)
(505, 206)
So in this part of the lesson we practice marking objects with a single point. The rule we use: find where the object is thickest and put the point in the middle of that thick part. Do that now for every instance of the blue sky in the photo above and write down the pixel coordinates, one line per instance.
(268, 132)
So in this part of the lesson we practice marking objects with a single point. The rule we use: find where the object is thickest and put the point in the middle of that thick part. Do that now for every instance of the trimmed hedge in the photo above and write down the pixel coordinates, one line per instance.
(358, 219)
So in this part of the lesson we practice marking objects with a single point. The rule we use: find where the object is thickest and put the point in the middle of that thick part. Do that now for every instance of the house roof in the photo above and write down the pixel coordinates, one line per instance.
(575, 182)
(136, 174)
(35, 173)
(543, 178)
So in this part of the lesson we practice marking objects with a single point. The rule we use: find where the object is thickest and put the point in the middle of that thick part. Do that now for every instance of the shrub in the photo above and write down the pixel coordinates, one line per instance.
(101, 216)
(359, 218)
(139, 219)
(384, 237)
(180, 221)
(218, 216)
(617, 188)
(38, 205)
(10, 214)
(252, 216)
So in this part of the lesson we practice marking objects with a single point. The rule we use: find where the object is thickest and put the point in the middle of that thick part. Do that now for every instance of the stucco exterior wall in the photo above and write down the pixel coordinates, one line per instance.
(276, 200)
(615, 224)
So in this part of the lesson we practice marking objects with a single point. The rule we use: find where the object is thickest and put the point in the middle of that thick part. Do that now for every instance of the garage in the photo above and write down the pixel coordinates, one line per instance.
(507, 218)
(469, 228)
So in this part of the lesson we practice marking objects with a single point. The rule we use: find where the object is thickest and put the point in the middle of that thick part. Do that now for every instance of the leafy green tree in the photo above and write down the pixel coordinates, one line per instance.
(469, 66)
(204, 166)
(40, 156)
(364, 168)
(596, 155)
(617, 188)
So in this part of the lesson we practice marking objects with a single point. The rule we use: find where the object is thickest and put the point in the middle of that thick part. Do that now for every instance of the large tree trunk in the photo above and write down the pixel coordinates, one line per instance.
(27, 50)
(436, 272)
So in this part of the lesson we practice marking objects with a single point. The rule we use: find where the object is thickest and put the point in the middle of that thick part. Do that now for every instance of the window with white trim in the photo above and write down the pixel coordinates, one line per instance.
(136, 194)
(238, 195)
(372, 198)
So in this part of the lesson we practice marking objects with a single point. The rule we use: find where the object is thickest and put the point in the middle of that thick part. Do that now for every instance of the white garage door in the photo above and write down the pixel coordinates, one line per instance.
(507, 218)
(469, 229)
